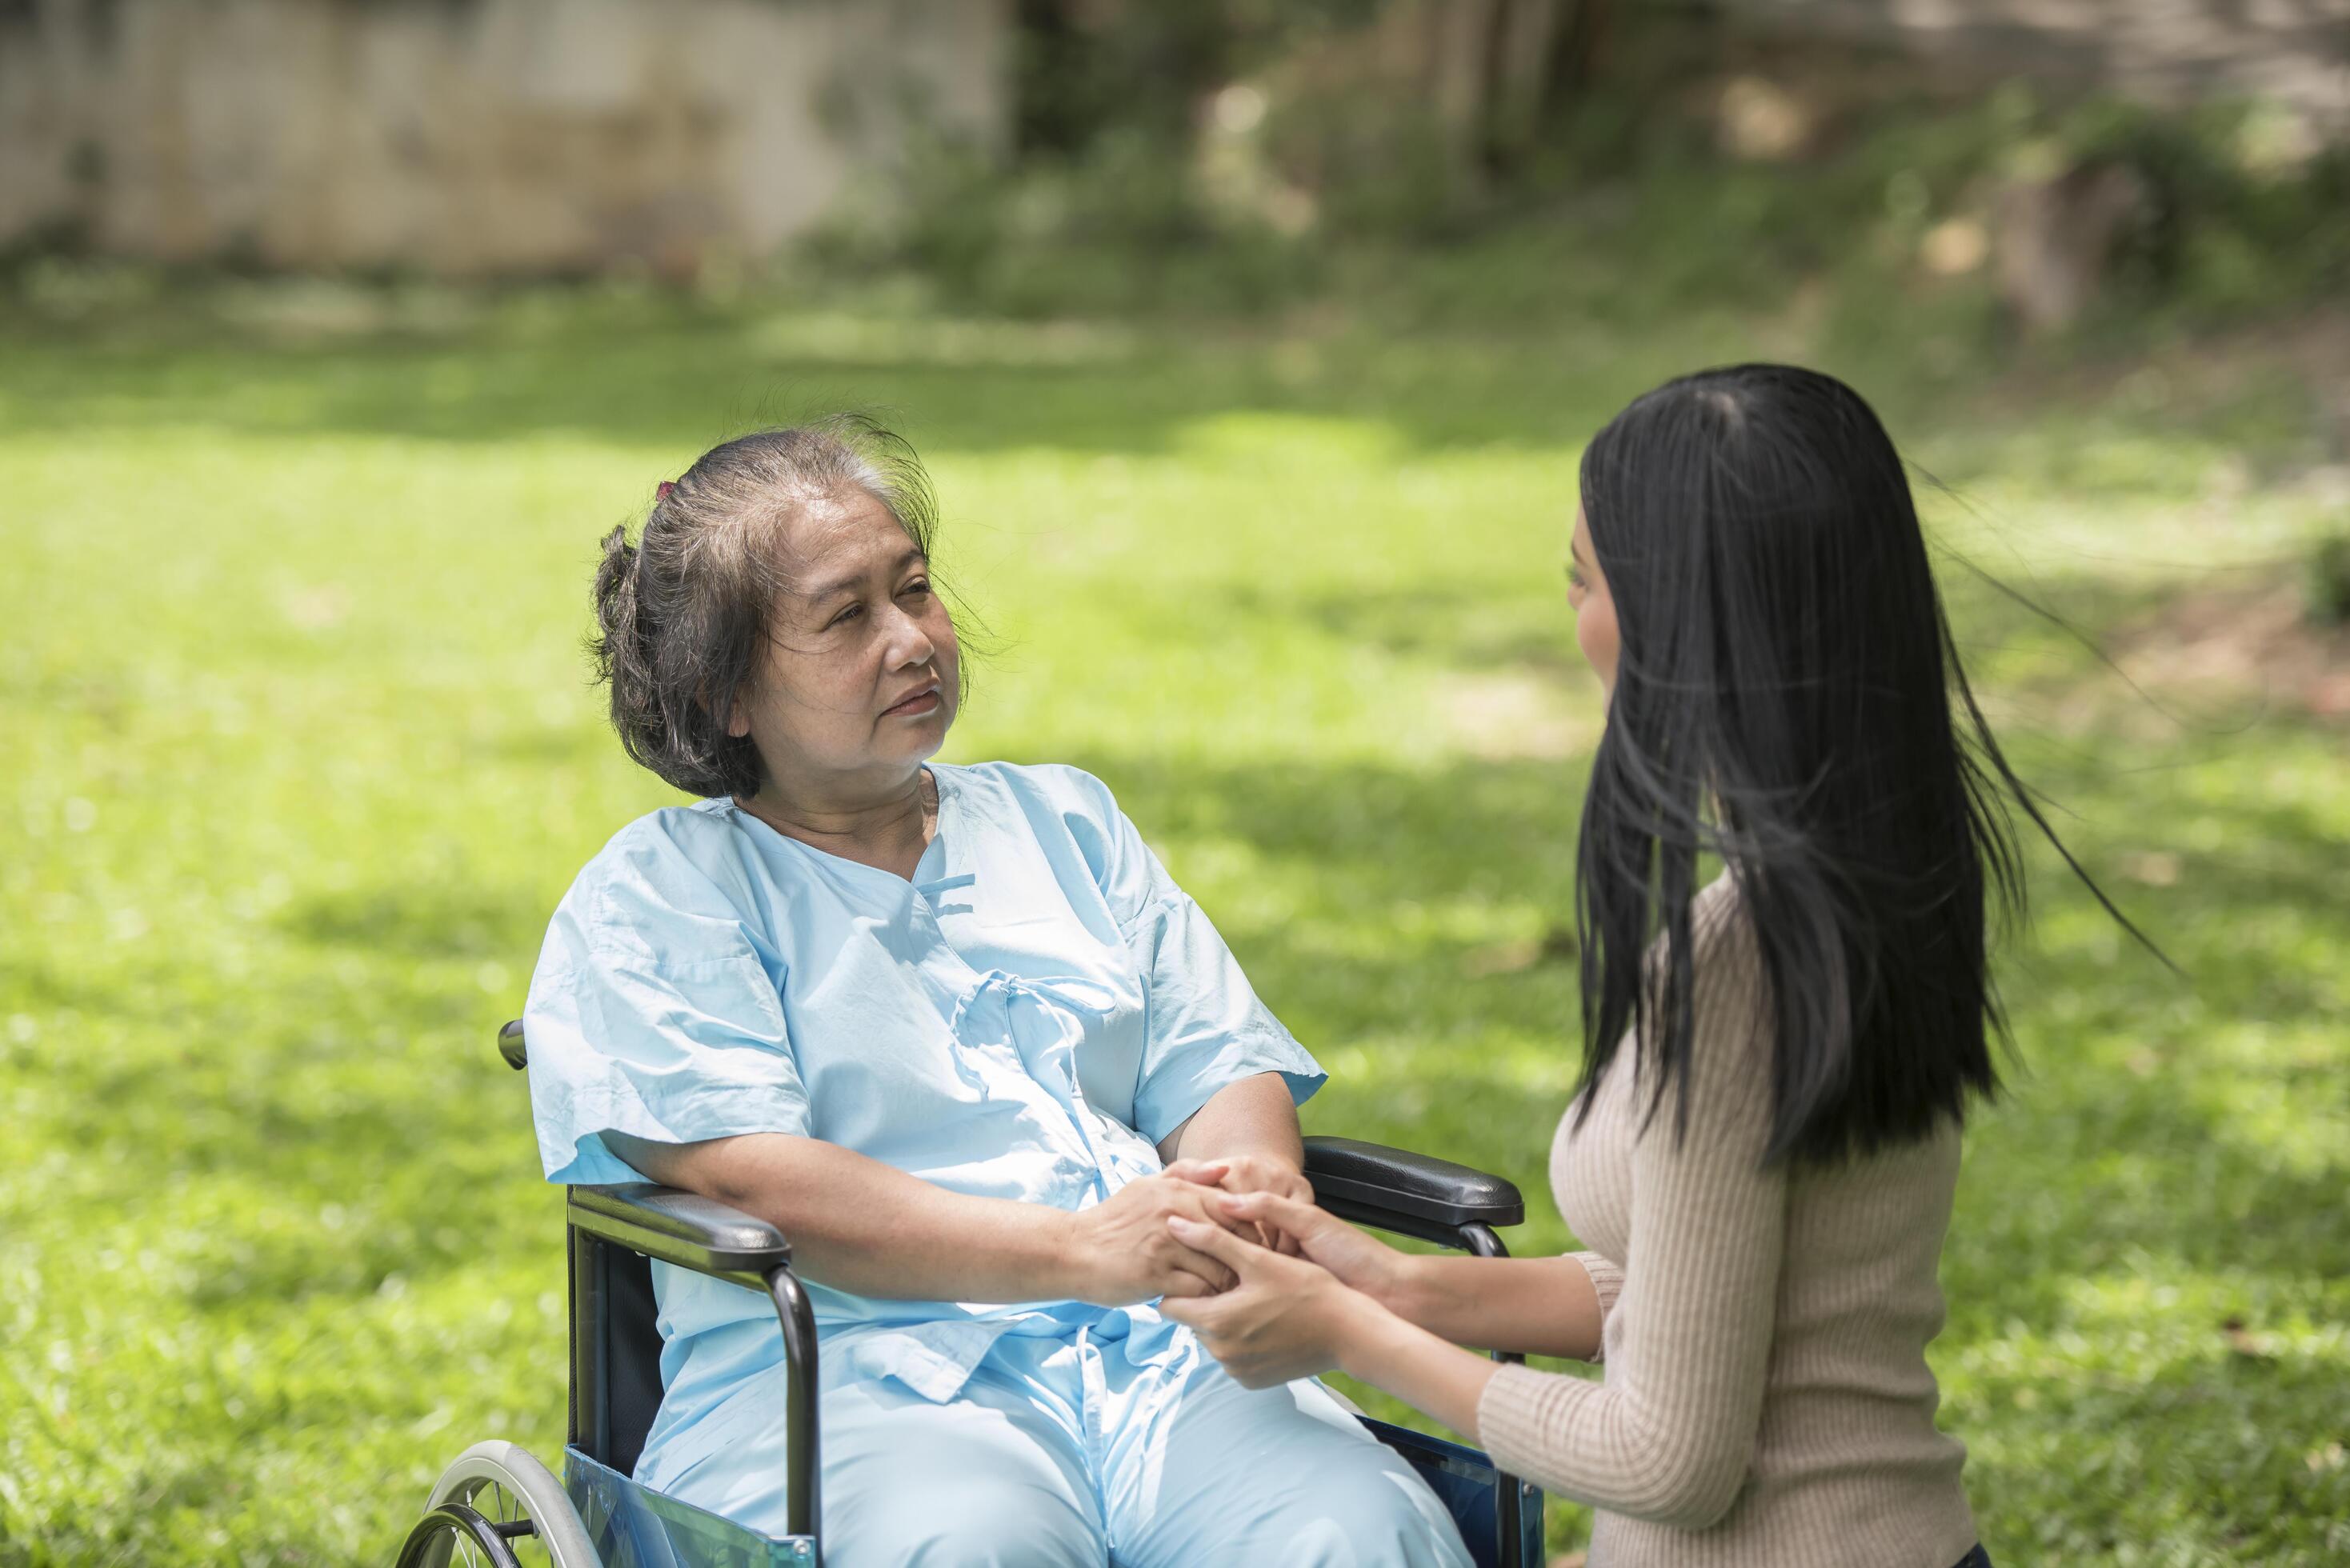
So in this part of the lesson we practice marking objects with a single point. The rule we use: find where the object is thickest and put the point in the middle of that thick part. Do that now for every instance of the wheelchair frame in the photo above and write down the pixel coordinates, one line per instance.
(608, 1229)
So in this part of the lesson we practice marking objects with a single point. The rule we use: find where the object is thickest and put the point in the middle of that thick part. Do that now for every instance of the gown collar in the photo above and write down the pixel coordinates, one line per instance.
(930, 871)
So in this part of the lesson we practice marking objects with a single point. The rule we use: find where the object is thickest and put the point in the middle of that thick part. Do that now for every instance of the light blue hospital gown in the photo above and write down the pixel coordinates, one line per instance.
(1027, 1019)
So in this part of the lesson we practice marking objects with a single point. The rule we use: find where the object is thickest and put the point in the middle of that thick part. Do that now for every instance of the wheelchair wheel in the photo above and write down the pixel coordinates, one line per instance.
(497, 1507)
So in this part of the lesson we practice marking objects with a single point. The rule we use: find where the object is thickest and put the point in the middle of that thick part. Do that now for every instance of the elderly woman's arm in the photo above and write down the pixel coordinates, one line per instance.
(1245, 1140)
(1250, 1120)
(862, 1226)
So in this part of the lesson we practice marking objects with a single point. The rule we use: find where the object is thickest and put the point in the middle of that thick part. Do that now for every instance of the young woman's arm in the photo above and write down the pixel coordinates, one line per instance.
(861, 1225)
(1670, 1435)
(1535, 1306)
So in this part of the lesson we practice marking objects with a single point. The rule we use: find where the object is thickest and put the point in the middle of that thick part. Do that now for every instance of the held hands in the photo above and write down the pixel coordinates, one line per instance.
(1243, 1174)
(1285, 1318)
(1273, 1286)
(1124, 1250)
(1358, 1259)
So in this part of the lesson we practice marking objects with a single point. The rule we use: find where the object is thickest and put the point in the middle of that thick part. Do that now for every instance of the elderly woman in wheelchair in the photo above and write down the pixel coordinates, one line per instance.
(952, 1031)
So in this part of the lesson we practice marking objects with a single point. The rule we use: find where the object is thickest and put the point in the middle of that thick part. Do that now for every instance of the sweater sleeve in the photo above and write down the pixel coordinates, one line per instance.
(1669, 1435)
(1607, 1283)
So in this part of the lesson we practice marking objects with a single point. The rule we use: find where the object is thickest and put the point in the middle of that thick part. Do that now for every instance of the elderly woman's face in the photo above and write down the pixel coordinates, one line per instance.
(861, 666)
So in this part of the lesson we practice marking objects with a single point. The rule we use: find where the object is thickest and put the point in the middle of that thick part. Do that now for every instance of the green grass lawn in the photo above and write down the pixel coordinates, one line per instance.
(300, 751)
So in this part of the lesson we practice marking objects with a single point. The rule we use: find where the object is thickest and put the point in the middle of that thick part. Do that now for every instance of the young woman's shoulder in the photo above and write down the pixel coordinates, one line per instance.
(1721, 932)
(1730, 996)
(1720, 925)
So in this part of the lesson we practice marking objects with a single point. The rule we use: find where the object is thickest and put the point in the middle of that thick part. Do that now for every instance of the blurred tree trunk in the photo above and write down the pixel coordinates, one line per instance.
(1048, 115)
(1498, 140)
(1504, 75)
(1577, 30)
(1465, 50)
(1085, 67)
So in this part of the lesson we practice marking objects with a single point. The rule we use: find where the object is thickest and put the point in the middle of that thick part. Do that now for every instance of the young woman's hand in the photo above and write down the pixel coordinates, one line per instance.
(1356, 1258)
(1242, 1174)
(1285, 1318)
(1121, 1250)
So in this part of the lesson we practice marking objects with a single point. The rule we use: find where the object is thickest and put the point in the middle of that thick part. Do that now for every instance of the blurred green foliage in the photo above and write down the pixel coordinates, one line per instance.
(1154, 211)
(2329, 579)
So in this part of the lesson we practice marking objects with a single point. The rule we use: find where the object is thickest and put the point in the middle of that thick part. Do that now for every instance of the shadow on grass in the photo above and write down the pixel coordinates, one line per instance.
(423, 920)
(690, 386)
(1464, 624)
(2092, 1174)
(688, 378)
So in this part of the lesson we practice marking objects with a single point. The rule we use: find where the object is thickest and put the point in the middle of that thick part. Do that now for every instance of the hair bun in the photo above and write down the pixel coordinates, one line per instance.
(616, 584)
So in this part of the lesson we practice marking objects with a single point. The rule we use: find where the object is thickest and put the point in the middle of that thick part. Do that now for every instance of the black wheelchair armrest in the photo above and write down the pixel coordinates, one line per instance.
(681, 1228)
(1416, 1194)
(710, 1238)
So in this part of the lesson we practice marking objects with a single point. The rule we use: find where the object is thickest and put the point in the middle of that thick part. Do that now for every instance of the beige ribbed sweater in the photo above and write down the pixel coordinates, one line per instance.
(1766, 1402)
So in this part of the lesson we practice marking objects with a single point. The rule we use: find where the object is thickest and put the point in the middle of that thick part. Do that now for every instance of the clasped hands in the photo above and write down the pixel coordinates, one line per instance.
(1239, 1253)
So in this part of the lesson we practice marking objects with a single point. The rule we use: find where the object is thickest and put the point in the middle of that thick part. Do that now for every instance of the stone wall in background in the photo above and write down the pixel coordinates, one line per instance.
(473, 137)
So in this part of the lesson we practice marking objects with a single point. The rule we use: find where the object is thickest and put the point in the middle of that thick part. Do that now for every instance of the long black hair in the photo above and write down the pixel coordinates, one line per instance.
(1788, 695)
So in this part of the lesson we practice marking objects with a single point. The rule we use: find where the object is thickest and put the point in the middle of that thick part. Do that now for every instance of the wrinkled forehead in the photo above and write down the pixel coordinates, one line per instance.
(820, 539)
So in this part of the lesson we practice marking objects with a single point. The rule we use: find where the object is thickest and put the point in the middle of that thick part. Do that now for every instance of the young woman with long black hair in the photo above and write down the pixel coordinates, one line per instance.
(1762, 1153)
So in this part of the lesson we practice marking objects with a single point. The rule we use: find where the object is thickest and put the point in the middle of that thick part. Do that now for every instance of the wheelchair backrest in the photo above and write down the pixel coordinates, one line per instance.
(616, 1346)
(614, 1332)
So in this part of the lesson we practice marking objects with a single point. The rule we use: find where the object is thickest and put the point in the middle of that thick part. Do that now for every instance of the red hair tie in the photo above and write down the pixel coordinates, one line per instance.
(660, 493)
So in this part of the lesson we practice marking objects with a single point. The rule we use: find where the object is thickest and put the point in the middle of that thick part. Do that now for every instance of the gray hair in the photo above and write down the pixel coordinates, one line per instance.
(684, 614)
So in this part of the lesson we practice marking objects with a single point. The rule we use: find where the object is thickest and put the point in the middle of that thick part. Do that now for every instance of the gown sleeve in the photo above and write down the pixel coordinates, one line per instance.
(650, 1013)
(1204, 1026)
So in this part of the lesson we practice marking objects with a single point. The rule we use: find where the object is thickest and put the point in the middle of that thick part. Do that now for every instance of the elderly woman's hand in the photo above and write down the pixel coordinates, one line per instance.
(1285, 1318)
(1239, 1175)
(1358, 1258)
(1121, 1250)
